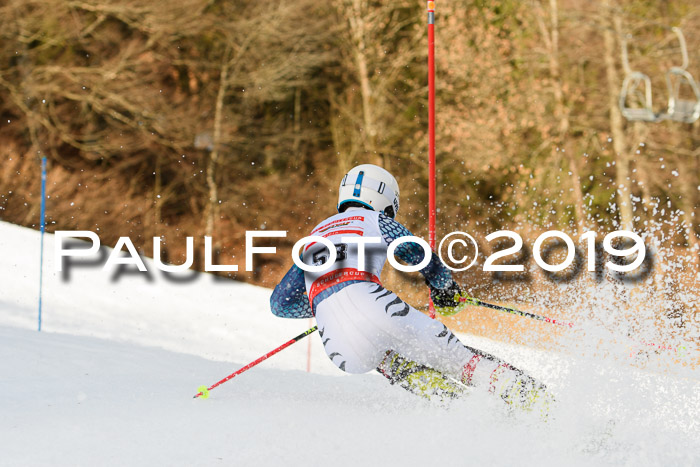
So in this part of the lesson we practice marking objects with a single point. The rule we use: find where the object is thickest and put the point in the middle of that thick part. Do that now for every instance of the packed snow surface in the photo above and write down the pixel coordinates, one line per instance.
(110, 381)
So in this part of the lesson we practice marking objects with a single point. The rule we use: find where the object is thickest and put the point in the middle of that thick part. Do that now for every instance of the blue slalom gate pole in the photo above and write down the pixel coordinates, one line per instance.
(42, 226)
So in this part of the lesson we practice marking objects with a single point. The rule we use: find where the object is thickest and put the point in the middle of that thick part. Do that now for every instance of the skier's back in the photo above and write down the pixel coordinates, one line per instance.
(364, 326)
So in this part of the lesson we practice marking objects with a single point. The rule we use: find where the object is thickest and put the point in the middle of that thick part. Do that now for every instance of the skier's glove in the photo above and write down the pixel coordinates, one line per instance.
(450, 300)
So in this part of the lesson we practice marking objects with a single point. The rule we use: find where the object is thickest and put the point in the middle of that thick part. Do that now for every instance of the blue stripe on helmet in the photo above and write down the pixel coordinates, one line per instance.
(358, 184)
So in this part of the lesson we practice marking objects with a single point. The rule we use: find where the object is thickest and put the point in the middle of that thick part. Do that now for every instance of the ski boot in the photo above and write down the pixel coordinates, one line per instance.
(520, 391)
(419, 379)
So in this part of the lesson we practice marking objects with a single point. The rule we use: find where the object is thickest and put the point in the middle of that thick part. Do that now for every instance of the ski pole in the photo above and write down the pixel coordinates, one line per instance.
(513, 311)
(477, 302)
(204, 391)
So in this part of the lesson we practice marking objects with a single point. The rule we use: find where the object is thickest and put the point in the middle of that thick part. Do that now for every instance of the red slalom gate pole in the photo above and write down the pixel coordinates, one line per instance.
(431, 133)
(204, 391)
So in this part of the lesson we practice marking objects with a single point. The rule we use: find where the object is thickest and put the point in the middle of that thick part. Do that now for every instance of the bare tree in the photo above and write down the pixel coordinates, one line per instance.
(560, 146)
(623, 183)
(378, 40)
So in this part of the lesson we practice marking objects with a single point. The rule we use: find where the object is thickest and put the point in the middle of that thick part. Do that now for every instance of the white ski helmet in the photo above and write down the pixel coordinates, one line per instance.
(370, 186)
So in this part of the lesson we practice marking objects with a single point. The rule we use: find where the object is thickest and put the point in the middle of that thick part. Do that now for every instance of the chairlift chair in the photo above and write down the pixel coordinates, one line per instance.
(682, 109)
(631, 91)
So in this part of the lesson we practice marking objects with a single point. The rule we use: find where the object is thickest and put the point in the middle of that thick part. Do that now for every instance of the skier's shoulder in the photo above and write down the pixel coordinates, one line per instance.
(391, 228)
(355, 216)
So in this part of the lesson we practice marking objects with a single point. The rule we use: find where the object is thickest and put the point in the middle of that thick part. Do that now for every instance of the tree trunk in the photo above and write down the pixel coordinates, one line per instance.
(643, 178)
(344, 154)
(357, 27)
(297, 121)
(157, 188)
(561, 112)
(623, 183)
(213, 205)
(688, 207)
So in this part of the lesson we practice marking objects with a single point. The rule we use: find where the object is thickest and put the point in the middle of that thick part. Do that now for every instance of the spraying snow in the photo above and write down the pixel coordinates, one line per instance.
(111, 382)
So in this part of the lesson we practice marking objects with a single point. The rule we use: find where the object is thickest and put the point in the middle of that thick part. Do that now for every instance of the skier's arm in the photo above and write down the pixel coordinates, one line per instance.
(446, 294)
(436, 274)
(289, 299)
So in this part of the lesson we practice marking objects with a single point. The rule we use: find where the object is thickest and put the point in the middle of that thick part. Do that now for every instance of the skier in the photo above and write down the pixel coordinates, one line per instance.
(364, 326)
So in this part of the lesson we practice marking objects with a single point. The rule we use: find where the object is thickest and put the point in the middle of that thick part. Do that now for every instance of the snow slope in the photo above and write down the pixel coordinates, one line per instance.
(203, 315)
(112, 379)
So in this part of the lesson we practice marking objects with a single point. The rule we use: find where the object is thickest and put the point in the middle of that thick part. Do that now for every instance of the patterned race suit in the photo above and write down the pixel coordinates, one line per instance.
(364, 326)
